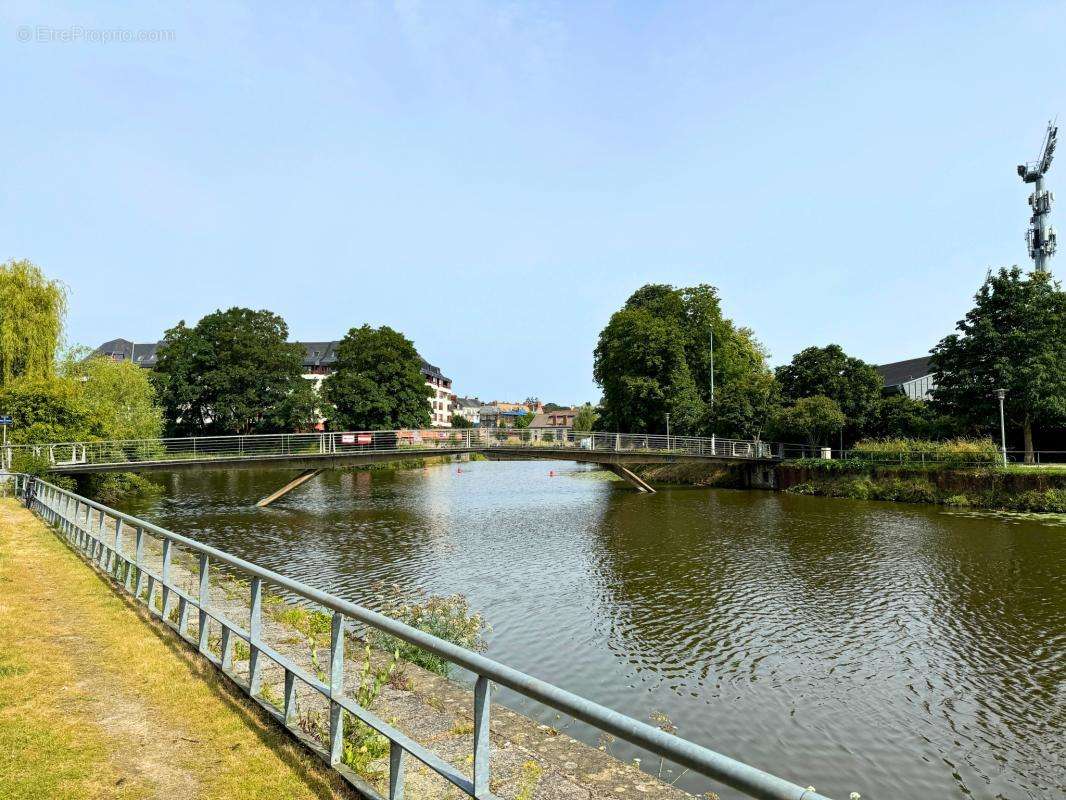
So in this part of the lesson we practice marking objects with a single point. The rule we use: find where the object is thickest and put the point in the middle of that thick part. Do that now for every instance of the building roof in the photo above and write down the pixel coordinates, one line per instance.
(468, 402)
(315, 354)
(899, 372)
(550, 419)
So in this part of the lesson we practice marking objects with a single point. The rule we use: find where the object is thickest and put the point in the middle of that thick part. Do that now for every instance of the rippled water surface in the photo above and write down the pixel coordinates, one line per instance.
(898, 651)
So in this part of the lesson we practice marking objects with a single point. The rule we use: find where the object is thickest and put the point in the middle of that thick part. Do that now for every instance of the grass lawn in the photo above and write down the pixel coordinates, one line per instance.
(96, 701)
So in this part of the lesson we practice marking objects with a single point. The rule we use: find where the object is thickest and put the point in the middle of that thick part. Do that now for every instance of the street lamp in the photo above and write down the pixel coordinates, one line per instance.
(1001, 394)
(667, 430)
(712, 369)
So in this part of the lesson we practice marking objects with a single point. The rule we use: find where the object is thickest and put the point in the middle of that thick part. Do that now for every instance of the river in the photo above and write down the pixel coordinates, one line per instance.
(898, 651)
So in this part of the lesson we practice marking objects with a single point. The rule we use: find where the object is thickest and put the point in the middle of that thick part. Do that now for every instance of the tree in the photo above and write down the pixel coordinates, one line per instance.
(47, 409)
(1014, 338)
(119, 398)
(234, 372)
(812, 418)
(585, 419)
(459, 421)
(851, 383)
(378, 383)
(32, 309)
(745, 406)
(524, 420)
(903, 417)
(654, 358)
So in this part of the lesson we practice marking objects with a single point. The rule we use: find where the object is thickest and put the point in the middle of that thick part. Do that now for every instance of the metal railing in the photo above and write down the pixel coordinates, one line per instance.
(103, 536)
(287, 445)
(919, 457)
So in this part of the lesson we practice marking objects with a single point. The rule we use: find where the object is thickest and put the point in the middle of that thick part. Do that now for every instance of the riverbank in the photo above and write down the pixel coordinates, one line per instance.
(1015, 488)
(97, 701)
(528, 759)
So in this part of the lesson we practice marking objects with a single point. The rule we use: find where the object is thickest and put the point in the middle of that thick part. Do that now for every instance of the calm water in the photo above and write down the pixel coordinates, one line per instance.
(898, 651)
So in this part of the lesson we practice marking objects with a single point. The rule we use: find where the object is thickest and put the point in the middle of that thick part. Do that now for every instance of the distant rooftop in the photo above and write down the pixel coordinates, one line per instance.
(899, 372)
(315, 354)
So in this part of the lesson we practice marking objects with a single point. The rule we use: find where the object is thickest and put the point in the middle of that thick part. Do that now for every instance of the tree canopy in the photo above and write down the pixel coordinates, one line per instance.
(1014, 338)
(854, 385)
(585, 419)
(234, 372)
(654, 358)
(814, 419)
(378, 383)
(32, 310)
(119, 398)
(47, 409)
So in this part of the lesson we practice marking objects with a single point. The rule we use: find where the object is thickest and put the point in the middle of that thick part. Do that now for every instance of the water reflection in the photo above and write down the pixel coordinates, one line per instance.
(900, 651)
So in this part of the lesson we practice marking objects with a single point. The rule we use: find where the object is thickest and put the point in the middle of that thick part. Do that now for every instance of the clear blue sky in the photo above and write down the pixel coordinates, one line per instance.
(495, 178)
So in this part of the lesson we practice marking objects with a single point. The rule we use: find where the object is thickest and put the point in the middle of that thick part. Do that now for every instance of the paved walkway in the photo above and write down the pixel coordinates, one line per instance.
(98, 702)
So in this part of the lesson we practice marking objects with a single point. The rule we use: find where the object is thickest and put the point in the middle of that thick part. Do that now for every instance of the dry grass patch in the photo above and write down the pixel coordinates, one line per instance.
(97, 701)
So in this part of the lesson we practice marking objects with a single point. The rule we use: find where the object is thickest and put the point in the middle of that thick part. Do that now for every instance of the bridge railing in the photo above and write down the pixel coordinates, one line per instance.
(127, 549)
(333, 443)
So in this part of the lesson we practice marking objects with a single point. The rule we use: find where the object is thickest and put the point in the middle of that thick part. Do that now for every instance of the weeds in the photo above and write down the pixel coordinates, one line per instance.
(527, 783)
(447, 618)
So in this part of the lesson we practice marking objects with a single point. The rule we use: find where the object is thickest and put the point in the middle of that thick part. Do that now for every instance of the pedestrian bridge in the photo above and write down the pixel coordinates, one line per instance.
(310, 453)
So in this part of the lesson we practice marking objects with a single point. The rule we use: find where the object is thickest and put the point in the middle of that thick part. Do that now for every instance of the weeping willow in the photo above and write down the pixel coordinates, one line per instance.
(32, 310)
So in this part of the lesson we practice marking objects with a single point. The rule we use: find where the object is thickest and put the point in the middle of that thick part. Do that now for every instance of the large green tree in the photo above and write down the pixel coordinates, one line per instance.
(119, 397)
(654, 358)
(234, 372)
(47, 409)
(585, 419)
(378, 383)
(854, 385)
(32, 309)
(744, 406)
(1014, 338)
(814, 419)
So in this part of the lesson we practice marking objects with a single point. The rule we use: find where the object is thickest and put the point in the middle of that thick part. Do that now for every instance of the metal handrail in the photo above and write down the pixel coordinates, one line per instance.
(65, 508)
(334, 443)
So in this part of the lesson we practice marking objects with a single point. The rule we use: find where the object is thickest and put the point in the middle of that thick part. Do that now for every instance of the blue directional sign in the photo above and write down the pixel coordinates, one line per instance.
(5, 420)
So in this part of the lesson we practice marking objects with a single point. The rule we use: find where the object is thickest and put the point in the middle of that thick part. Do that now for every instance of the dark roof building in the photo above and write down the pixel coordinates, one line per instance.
(912, 377)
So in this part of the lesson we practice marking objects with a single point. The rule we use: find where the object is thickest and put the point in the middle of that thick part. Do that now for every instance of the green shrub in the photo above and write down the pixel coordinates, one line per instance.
(958, 500)
(447, 618)
(951, 452)
(114, 487)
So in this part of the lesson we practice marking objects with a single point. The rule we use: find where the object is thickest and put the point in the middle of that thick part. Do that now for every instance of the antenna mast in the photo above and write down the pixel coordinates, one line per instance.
(1040, 236)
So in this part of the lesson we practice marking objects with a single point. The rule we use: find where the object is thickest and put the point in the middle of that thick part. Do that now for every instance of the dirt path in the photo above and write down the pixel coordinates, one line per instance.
(95, 702)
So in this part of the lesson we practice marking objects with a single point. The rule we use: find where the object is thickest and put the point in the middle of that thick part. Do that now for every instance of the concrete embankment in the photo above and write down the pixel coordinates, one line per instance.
(1015, 489)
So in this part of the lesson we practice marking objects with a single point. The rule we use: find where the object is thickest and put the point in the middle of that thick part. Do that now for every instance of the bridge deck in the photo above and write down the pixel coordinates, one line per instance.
(333, 450)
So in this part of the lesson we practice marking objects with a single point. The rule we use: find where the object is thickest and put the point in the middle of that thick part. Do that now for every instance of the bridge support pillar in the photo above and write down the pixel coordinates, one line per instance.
(629, 477)
(299, 480)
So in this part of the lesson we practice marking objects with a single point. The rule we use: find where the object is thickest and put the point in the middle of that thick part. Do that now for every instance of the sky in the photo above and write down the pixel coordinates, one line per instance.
(494, 179)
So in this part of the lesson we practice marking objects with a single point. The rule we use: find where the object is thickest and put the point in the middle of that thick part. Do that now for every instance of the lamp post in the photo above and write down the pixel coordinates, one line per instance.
(667, 430)
(1001, 394)
(712, 369)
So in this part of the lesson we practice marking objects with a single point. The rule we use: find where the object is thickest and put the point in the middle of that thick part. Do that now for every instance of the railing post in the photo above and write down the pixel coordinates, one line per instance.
(255, 631)
(118, 547)
(397, 768)
(139, 560)
(482, 745)
(336, 688)
(205, 598)
(290, 698)
(164, 575)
